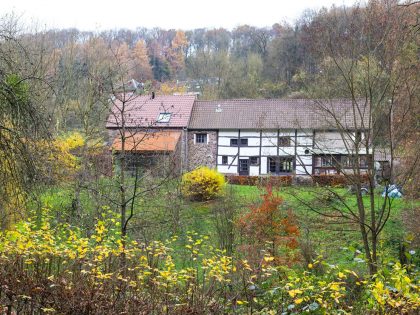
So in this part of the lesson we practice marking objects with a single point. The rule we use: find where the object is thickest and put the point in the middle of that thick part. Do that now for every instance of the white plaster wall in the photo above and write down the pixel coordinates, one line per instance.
(304, 141)
(305, 132)
(331, 140)
(230, 160)
(301, 150)
(253, 141)
(254, 170)
(303, 170)
(224, 141)
(250, 151)
(328, 142)
(224, 169)
(304, 159)
(286, 150)
(290, 133)
(263, 162)
(228, 133)
(268, 142)
(249, 133)
(269, 151)
(269, 133)
(228, 150)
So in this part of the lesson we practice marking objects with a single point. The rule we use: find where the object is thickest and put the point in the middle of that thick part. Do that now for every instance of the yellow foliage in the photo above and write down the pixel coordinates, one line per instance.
(203, 183)
(61, 256)
(70, 142)
(172, 88)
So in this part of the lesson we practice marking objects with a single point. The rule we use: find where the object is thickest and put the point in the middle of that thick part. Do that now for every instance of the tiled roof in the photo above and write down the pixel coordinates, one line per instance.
(277, 114)
(160, 141)
(143, 111)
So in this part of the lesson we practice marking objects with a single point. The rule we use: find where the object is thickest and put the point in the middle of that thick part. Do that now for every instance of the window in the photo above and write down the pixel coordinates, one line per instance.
(286, 165)
(233, 142)
(280, 165)
(255, 160)
(272, 165)
(224, 160)
(347, 161)
(243, 167)
(200, 138)
(284, 141)
(350, 161)
(384, 165)
(358, 137)
(164, 117)
(364, 161)
(326, 161)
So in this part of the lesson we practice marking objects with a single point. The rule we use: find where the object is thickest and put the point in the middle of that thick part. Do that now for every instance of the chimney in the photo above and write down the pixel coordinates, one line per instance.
(153, 95)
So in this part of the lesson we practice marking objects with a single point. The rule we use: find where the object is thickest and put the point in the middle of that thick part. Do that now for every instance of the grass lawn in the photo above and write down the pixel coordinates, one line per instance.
(319, 229)
(163, 214)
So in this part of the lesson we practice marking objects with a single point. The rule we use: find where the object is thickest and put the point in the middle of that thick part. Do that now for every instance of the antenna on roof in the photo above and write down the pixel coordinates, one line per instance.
(218, 108)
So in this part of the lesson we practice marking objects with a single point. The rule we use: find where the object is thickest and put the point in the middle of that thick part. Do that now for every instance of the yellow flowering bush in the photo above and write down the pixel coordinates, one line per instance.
(395, 293)
(202, 184)
(61, 270)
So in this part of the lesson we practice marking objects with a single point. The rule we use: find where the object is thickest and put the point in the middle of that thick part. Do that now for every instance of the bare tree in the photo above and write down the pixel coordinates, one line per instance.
(365, 52)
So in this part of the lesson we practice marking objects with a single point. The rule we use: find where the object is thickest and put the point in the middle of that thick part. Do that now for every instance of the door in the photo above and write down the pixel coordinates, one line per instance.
(243, 166)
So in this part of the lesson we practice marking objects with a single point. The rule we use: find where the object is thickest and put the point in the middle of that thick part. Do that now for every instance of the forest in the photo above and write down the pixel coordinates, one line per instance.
(81, 235)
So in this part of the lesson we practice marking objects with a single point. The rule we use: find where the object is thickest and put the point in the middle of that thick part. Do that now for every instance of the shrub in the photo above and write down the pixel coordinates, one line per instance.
(243, 180)
(266, 223)
(275, 181)
(278, 181)
(202, 183)
(338, 180)
(58, 270)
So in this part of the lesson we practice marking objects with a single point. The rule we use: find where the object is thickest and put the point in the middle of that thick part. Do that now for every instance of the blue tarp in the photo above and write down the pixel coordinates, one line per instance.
(393, 191)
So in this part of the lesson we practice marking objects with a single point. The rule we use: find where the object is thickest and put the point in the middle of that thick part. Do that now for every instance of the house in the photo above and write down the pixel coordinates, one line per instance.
(277, 136)
(242, 136)
(153, 128)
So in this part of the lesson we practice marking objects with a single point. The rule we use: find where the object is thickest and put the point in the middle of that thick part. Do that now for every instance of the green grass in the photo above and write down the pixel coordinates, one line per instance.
(162, 214)
(337, 242)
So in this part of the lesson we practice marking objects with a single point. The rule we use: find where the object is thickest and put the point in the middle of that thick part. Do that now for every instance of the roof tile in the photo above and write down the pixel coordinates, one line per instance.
(278, 114)
(143, 111)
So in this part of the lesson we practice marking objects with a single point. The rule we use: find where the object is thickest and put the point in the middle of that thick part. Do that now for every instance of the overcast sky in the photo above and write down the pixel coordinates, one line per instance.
(97, 15)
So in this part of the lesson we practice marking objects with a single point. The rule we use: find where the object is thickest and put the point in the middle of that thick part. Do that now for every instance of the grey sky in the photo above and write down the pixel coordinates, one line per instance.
(178, 14)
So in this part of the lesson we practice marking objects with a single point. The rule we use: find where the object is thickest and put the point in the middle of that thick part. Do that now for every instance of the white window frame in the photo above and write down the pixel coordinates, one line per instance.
(201, 133)
(164, 117)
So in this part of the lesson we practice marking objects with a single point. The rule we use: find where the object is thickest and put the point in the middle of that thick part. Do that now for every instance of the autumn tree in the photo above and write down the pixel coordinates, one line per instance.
(267, 222)
(142, 69)
(176, 53)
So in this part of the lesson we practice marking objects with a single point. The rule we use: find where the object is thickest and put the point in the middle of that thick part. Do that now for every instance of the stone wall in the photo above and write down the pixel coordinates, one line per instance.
(112, 134)
(202, 154)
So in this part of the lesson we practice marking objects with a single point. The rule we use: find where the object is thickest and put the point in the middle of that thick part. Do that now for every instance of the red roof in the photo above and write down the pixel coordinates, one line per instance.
(143, 111)
(160, 141)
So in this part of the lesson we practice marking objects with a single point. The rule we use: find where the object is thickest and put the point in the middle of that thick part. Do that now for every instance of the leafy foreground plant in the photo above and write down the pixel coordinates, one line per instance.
(57, 270)
(202, 184)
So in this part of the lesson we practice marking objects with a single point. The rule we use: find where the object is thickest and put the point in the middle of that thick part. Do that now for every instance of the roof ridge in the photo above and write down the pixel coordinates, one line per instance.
(274, 99)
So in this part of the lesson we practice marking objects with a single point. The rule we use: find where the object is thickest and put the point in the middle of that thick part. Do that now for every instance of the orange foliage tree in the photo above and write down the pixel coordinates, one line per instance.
(267, 223)
(142, 67)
